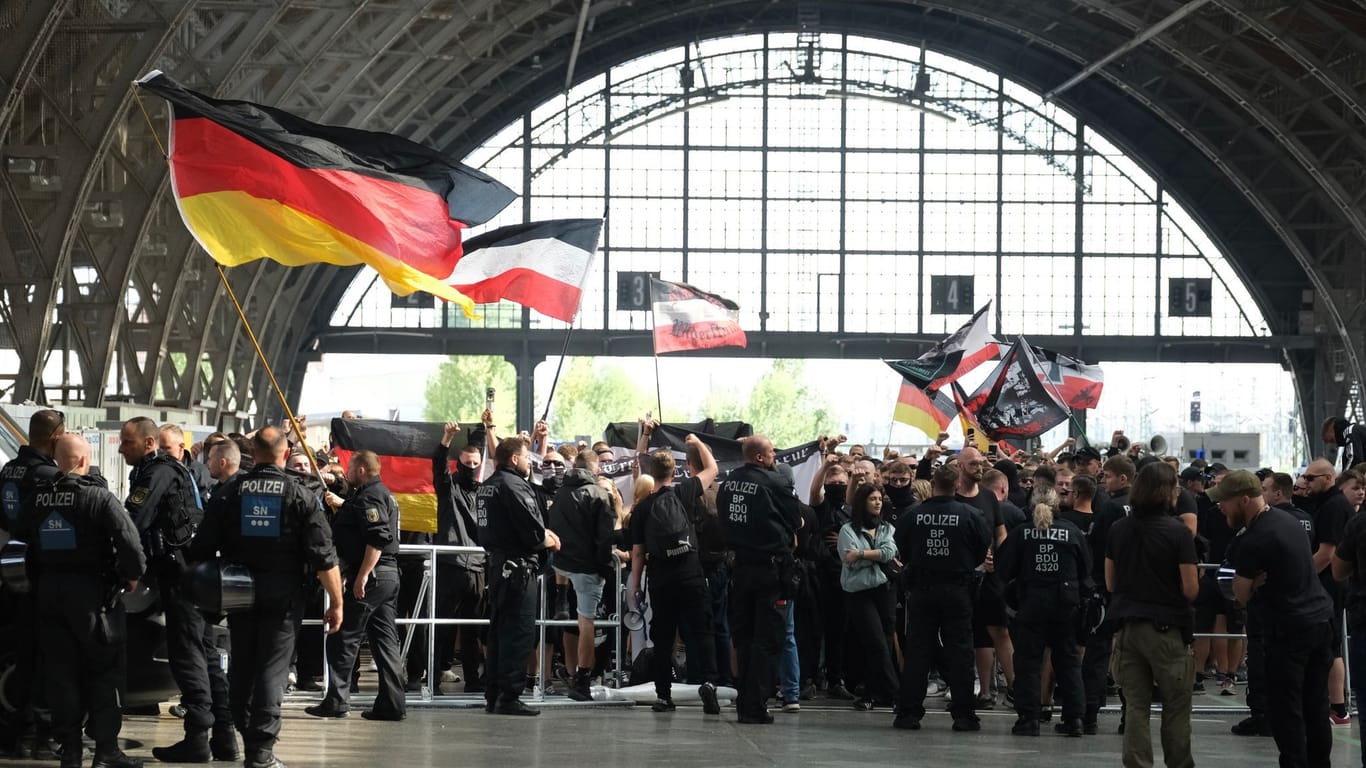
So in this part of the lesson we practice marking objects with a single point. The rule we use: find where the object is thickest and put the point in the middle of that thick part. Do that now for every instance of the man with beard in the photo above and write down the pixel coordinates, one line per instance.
(514, 535)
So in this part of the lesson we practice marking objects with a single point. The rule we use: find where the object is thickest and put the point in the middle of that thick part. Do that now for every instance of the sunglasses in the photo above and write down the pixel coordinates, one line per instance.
(898, 481)
(1312, 477)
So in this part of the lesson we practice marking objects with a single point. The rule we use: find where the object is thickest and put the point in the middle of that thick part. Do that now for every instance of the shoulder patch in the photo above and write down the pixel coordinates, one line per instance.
(138, 496)
(372, 515)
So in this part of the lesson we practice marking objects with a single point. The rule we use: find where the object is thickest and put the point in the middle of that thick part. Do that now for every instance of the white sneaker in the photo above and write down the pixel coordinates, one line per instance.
(448, 676)
(936, 688)
(792, 706)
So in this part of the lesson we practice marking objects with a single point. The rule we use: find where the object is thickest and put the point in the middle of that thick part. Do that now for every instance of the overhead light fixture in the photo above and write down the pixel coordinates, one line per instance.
(835, 93)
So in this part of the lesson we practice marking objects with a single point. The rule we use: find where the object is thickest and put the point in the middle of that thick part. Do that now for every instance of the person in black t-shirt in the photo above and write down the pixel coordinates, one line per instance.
(1349, 566)
(678, 590)
(829, 488)
(1273, 570)
(1150, 569)
(1331, 510)
(989, 621)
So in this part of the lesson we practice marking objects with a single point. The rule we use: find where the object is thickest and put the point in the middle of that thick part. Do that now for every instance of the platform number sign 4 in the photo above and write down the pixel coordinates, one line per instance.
(951, 295)
(1188, 296)
(633, 291)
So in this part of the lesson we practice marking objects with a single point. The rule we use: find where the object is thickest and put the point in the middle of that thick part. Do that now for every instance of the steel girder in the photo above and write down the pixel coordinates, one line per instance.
(1258, 104)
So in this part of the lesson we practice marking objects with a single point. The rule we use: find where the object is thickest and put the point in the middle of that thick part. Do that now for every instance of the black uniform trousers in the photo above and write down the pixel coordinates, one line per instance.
(1297, 694)
(1256, 675)
(193, 656)
(871, 615)
(28, 685)
(374, 617)
(759, 625)
(459, 595)
(832, 599)
(262, 647)
(512, 635)
(1095, 668)
(938, 611)
(1047, 621)
(674, 604)
(83, 672)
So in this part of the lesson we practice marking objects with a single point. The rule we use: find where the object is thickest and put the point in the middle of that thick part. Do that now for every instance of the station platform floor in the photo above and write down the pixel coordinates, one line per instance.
(456, 731)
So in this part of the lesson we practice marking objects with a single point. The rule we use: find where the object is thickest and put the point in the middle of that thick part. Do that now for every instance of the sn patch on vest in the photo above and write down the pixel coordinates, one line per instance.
(56, 534)
(9, 499)
(261, 516)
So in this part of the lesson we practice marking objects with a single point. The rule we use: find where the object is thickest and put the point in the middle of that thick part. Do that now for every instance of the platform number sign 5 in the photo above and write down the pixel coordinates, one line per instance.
(633, 291)
(1189, 296)
(952, 295)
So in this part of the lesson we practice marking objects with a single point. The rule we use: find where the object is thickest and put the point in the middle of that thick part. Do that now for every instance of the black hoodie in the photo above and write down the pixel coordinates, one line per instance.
(582, 516)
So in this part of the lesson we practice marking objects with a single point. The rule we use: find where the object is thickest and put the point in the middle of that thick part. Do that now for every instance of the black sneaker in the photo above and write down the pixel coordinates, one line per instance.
(663, 705)
(710, 705)
(808, 693)
(1071, 728)
(1025, 727)
(763, 718)
(838, 691)
(1251, 726)
(514, 707)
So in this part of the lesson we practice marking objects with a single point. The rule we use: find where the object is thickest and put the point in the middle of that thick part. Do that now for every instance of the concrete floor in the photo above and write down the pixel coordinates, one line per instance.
(823, 734)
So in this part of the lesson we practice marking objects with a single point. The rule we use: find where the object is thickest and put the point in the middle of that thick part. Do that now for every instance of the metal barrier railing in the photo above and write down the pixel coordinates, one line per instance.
(427, 596)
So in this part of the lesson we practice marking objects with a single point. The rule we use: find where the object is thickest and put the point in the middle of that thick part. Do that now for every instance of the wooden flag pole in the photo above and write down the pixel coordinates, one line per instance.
(558, 367)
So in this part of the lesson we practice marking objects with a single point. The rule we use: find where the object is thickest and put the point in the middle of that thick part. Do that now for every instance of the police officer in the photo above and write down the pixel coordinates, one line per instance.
(83, 551)
(759, 517)
(1274, 570)
(18, 478)
(365, 530)
(165, 505)
(269, 523)
(941, 542)
(1049, 563)
(514, 535)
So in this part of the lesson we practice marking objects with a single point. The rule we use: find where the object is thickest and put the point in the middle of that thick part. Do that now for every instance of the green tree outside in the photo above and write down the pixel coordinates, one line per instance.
(456, 391)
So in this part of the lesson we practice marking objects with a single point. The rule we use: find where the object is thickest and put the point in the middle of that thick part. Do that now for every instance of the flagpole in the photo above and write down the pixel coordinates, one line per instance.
(659, 399)
(279, 393)
(1058, 394)
(564, 350)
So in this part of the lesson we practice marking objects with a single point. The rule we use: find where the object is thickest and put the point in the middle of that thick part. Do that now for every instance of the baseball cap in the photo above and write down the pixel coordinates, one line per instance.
(1087, 454)
(1192, 473)
(1239, 482)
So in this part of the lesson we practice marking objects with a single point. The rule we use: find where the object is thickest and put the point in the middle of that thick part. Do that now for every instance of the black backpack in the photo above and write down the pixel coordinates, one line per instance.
(669, 531)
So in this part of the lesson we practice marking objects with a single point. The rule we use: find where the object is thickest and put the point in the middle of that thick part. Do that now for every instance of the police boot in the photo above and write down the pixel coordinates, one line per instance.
(194, 748)
(223, 742)
(579, 689)
(73, 754)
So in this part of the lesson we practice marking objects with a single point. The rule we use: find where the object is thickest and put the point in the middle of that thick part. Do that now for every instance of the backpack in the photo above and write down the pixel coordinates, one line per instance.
(669, 531)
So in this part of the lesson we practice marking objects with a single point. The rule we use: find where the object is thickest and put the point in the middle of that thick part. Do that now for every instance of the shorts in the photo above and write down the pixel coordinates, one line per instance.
(989, 610)
(587, 591)
(1211, 603)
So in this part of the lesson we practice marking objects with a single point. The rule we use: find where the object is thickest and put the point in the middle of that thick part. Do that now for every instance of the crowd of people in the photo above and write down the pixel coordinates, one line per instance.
(1044, 583)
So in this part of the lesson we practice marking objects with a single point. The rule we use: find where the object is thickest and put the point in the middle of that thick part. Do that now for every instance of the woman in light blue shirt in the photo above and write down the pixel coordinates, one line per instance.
(867, 551)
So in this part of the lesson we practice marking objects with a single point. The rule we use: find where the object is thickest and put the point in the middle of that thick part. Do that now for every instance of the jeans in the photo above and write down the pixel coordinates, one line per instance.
(718, 588)
(790, 668)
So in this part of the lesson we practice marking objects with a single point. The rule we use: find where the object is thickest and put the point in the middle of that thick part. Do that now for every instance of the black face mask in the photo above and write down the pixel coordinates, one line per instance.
(465, 475)
(835, 492)
(899, 495)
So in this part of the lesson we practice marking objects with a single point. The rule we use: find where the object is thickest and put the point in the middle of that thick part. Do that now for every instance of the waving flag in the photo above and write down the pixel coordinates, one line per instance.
(253, 182)
(688, 318)
(967, 421)
(963, 350)
(929, 412)
(541, 265)
(1014, 402)
(405, 461)
(1078, 385)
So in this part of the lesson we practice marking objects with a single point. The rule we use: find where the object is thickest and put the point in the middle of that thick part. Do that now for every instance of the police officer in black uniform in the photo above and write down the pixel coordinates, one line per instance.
(760, 518)
(83, 551)
(269, 523)
(941, 542)
(165, 505)
(365, 531)
(514, 535)
(18, 478)
(1049, 563)
(1274, 570)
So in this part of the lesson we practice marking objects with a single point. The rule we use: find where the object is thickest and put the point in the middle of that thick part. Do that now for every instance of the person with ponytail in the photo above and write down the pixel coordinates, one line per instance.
(1047, 565)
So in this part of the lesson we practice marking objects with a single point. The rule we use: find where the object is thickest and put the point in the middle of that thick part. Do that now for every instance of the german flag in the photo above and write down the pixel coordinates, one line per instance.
(253, 182)
(929, 412)
(405, 459)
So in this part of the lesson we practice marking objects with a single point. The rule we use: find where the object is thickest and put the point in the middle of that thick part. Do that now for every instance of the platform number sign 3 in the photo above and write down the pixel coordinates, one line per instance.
(633, 291)
(951, 295)
(1188, 296)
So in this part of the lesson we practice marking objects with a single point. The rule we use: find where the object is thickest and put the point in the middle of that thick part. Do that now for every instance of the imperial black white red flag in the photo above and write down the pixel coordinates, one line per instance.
(688, 318)
(541, 265)
(1014, 402)
(964, 349)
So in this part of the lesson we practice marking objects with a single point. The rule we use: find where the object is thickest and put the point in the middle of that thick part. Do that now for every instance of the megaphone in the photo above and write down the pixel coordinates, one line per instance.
(1157, 445)
(1122, 444)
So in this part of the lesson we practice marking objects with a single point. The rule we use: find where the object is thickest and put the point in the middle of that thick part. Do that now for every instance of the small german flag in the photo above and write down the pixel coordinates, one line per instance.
(255, 182)
(405, 461)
